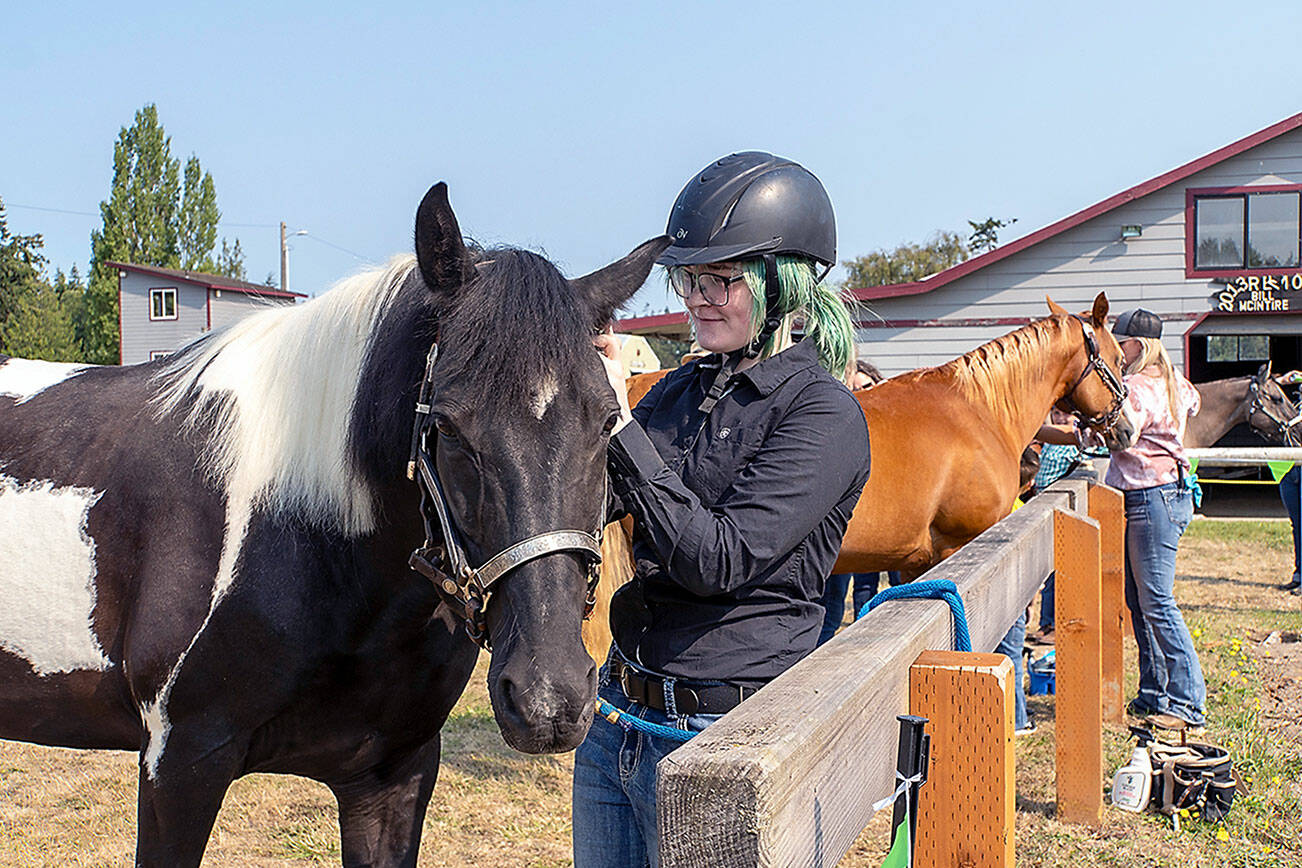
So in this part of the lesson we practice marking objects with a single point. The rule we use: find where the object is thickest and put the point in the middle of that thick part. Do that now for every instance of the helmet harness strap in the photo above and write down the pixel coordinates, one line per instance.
(771, 322)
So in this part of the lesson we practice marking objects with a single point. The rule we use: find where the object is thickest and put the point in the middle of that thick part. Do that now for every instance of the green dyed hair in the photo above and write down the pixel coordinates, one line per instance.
(802, 296)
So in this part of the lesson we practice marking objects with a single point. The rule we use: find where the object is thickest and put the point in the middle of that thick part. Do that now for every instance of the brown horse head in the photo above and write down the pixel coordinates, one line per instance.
(1094, 392)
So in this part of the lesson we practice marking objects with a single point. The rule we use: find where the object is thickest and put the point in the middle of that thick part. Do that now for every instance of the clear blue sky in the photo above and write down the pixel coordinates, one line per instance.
(570, 127)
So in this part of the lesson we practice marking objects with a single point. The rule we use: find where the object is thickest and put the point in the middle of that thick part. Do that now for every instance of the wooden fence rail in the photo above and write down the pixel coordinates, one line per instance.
(789, 777)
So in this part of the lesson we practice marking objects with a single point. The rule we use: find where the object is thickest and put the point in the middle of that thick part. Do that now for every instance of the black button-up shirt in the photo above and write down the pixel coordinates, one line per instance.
(739, 515)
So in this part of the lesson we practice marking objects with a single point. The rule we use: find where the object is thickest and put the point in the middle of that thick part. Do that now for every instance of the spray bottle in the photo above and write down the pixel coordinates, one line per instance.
(1133, 782)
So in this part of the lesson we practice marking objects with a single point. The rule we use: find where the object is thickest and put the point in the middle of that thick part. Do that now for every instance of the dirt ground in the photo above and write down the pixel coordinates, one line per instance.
(494, 807)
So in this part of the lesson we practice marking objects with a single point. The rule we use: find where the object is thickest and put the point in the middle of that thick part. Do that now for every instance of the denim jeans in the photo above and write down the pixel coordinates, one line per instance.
(1289, 493)
(1011, 647)
(865, 588)
(614, 797)
(1170, 676)
(1046, 602)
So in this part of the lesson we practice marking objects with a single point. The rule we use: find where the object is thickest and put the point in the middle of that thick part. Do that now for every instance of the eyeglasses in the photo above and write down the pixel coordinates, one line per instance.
(713, 287)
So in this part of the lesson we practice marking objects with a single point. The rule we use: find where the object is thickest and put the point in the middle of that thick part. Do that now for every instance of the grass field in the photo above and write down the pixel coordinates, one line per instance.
(495, 807)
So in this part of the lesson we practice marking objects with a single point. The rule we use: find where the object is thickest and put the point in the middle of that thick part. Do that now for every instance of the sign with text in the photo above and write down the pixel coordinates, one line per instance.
(1267, 293)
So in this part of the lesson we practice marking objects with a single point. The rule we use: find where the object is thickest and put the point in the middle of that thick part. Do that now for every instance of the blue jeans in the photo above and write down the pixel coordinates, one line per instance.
(1289, 493)
(1170, 676)
(865, 588)
(1046, 602)
(614, 795)
(1011, 647)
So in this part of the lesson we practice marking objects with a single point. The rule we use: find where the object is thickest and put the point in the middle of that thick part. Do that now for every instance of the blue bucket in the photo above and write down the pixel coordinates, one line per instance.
(1042, 682)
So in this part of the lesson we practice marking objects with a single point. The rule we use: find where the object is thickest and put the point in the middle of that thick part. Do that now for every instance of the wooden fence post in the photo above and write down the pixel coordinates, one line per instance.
(1107, 507)
(1079, 669)
(967, 806)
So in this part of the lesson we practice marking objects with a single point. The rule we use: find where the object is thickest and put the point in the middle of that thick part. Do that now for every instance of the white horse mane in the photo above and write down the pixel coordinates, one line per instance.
(278, 389)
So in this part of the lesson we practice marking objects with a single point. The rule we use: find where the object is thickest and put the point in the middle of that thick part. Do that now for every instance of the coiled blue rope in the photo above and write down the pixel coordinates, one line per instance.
(622, 718)
(931, 589)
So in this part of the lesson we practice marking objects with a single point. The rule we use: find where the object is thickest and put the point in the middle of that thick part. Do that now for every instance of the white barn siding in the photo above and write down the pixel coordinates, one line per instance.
(1072, 267)
(140, 334)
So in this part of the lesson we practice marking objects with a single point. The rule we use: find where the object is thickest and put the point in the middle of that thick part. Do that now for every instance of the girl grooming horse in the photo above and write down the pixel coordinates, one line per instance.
(740, 471)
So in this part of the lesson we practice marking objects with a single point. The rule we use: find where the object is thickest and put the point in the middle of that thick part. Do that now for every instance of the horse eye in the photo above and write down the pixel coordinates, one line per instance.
(445, 429)
(610, 423)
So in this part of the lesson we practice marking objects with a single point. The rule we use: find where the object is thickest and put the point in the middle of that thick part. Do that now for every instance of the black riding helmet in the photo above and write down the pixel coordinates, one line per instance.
(746, 205)
(751, 204)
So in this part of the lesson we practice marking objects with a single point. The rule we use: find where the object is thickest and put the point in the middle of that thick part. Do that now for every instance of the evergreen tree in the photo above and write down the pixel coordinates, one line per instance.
(21, 265)
(230, 262)
(41, 325)
(197, 232)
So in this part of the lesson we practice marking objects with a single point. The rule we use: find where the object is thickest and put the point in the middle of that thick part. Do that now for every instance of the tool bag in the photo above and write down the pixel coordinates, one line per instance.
(1197, 777)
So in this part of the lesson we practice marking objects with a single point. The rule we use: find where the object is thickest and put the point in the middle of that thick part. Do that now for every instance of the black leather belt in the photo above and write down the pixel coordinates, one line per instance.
(690, 697)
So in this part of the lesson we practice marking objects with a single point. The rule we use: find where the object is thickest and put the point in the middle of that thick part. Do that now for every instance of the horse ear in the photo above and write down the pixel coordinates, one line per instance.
(1263, 373)
(608, 288)
(440, 252)
(1055, 308)
(1099, 315)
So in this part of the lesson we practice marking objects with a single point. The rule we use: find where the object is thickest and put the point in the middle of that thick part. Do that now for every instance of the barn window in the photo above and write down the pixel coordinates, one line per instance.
(1247, 230)
(162, 303)
(1238, 348)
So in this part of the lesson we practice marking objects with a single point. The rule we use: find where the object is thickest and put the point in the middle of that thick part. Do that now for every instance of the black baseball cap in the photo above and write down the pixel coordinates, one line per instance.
(1138, 323)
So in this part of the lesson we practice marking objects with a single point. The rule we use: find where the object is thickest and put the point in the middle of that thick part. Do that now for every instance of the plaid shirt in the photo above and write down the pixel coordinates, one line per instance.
(1055, 460)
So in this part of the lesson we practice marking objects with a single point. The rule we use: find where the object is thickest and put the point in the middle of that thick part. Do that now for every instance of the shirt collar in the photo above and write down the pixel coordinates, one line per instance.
(772, 372)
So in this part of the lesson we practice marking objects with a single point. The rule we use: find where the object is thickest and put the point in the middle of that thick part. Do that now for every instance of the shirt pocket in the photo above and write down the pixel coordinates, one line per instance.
(723, 459)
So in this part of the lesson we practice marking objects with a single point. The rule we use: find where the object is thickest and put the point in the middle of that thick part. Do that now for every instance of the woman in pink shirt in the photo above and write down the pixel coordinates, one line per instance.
(1159, 505)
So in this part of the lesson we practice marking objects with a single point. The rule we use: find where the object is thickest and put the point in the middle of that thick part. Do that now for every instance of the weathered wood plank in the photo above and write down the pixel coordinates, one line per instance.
(968, 805)
(1078, 708)
(1107, 507)
(789, 777)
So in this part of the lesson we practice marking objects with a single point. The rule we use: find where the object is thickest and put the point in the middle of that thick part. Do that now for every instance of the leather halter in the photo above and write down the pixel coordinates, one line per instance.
(1105, 420)
(1283, 428)
(465, 589)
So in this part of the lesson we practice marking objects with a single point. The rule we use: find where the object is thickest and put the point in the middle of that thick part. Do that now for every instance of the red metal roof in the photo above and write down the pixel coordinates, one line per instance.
(940, 278)
(661, 323)
(211, 281)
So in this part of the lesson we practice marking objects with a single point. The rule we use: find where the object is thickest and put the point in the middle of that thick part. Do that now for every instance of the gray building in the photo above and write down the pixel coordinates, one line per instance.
(1211, 246)
(161, 309)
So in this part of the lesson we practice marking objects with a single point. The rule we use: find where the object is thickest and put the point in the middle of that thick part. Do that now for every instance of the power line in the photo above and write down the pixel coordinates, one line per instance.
(51, 210)
(351, 253)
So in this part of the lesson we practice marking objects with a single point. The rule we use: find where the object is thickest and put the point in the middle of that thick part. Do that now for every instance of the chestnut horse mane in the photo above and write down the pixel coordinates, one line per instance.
(1001, 372)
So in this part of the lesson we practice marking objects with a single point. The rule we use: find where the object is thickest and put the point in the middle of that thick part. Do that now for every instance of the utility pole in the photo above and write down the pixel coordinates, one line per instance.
(284, 260)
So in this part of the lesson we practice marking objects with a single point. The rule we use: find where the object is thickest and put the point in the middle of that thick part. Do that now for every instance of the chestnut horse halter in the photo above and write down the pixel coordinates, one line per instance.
(465, 589)
(1095, 364)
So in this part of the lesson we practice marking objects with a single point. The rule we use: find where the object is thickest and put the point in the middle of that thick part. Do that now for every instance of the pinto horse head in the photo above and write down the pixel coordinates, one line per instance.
(1094, 389)
(522, 411)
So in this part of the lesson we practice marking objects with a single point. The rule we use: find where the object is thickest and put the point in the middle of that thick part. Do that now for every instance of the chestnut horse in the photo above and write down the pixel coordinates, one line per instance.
(947, 442)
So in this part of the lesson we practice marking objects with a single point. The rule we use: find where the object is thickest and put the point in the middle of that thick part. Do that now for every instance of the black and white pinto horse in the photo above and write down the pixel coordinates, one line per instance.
(205, 559)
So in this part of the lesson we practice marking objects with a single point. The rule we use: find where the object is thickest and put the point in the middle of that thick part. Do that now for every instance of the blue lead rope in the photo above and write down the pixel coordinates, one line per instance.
(622, 718)
(931, 589)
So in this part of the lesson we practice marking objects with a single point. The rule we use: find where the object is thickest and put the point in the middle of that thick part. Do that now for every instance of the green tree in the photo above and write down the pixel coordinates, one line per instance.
(230, 262)
(197, 229)
(985, 233)
(41, 326)
(21, 265)
(907, 262)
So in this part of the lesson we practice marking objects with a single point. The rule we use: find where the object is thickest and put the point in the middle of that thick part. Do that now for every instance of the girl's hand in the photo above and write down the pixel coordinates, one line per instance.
(608, 346)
